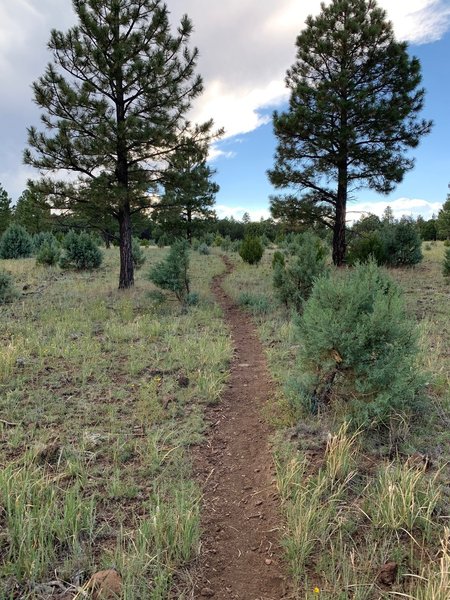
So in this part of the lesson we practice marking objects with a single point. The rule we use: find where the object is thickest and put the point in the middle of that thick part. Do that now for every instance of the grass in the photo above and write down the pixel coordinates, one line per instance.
(96, 429)
(354, 502)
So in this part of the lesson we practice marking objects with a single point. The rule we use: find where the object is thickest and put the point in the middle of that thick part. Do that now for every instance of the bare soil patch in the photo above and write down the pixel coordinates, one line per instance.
(241, 524)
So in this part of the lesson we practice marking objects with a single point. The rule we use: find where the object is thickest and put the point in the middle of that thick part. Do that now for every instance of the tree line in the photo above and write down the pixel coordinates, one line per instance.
(115, 103)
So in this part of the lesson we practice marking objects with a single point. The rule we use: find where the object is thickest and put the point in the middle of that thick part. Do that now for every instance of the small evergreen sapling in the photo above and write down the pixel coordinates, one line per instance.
(173, 272)
(359, 348)
(251, 250)
(446, 264)
(138, 254)
(16, 243)
(49, 253)
(7, 291)
(294, 282)
(81, 252)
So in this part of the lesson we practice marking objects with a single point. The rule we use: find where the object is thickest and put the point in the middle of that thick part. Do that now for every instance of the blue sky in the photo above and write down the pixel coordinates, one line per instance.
(243, 180)
(245, 47)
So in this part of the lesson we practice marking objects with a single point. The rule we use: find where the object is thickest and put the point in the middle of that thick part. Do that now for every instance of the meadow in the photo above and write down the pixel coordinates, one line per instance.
(102, 394)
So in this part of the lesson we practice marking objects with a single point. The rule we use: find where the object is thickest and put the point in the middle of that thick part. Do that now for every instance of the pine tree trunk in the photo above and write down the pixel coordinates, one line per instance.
(126, 278)
(339, 242)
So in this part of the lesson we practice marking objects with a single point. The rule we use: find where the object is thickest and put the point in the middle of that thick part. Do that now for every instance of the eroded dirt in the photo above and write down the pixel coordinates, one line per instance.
(241, 554)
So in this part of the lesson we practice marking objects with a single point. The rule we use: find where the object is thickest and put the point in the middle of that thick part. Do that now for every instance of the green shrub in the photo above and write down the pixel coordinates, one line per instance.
(278, 259)
(163, 240)
(218, 241)
(80, 252)
(446, 264)
(402, 244)
(49, 253)
(251, 250)
(41, 238)
(447, 243)
(204, 249)
(7, 290)
(256, 304)
(173, 272)
(226, 244)
(138, 254)
(16, 242)
(294, 282)
(359, 347)
(395, 245)
(368, 245)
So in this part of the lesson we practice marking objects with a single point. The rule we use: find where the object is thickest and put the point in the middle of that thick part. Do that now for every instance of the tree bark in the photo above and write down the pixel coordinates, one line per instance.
(339, 241)
(126, 278)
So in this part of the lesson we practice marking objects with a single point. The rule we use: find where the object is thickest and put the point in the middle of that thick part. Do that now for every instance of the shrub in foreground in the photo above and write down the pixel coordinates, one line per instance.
(293, 283)
(16, 242)
(359, 348)
(251, 250)
(80, 252)
(7, 290)
(173, 272)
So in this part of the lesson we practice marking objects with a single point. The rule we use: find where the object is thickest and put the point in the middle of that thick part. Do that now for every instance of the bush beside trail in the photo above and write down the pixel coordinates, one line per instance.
(359, 348)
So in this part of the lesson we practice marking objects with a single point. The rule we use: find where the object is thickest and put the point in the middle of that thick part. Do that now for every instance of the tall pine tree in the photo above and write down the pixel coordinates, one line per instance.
(5, 210)
(353, 115)
(189, 196)
(114, 100)
(32, 212)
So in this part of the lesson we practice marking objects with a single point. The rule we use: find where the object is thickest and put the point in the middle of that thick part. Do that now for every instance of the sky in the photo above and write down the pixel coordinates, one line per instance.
(245, 47)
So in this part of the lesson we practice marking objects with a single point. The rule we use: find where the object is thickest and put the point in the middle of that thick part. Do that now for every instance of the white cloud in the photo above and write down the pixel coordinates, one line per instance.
(237, 212)
(245, 49)
(401, 206)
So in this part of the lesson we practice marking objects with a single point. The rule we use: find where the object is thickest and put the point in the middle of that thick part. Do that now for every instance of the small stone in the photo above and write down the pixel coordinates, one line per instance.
(183, 380)
(268, 561)
(106, 585)
(207, 592)
(388, 573)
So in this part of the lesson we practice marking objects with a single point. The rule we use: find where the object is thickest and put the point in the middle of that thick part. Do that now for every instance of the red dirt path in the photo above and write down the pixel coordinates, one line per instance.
(241, 556)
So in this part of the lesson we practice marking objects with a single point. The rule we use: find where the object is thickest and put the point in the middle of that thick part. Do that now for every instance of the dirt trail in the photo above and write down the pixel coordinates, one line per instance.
(241, 522)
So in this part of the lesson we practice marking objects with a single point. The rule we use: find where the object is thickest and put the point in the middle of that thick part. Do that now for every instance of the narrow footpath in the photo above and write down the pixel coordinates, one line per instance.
(241, 554)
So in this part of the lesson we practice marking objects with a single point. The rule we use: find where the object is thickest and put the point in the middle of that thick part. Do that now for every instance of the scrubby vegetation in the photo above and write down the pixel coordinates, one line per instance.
(173, 272)
(251, 250)
(80, 252)
(7, 290)
(294, 281)
(15, 243)
(361, 477)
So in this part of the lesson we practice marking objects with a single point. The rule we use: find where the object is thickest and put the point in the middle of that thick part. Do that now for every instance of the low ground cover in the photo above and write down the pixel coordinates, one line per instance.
(101, 395)
(365, 514)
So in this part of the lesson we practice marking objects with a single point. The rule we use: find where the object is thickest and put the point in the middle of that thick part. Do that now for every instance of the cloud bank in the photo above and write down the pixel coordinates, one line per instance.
(245, 49)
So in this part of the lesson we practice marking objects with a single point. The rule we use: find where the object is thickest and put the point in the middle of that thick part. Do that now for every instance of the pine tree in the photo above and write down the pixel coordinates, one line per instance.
(5, 210)
(32, 212)
(189, 192)
(353, 114)
(114, 103)
(443, 221)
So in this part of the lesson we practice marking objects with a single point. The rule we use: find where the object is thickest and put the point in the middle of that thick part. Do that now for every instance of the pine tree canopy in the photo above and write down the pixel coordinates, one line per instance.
(189, 193)
(115, 100)
(5, 210)
(353, 114)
